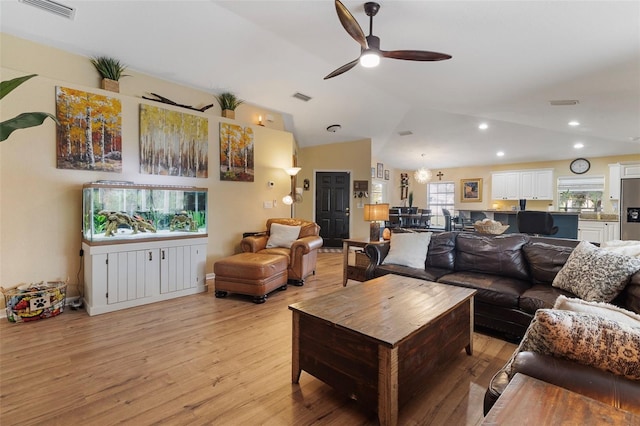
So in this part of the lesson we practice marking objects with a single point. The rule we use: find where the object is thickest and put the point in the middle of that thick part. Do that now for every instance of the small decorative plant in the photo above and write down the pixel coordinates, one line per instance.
(228, 102)
(411, 199)
(24, 120)
(110, 69)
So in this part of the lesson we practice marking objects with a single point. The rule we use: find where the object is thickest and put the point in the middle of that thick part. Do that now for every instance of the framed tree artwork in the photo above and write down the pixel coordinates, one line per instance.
(380, 172)
(471, 190)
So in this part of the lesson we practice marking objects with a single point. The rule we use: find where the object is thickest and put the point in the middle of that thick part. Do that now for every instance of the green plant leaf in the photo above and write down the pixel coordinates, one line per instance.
(7, 86)
(23, 121)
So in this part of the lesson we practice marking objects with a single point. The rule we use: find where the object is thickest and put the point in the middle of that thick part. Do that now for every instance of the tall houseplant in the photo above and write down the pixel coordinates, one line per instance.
(111, 71)
(228, 102)
(24, 120)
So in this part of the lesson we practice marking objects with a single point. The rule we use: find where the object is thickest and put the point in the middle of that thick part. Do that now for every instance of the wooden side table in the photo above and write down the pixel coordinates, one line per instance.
(354, 272)
(528, 401)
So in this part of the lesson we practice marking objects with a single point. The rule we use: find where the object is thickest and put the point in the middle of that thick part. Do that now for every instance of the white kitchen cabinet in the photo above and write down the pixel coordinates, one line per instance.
(619, 171)
(536, 185)
(614, 181)
(119, 276)
(505, 186)
(518, 184)
(597, 231)
(611, 231)
(590, 230)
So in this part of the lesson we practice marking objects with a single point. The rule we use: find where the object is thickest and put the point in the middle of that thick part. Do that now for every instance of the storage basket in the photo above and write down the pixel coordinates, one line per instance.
(492, 227)
(37, 301)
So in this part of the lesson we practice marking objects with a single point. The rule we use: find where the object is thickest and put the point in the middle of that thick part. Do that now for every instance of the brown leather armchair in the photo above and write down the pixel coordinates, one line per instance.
(303, 253)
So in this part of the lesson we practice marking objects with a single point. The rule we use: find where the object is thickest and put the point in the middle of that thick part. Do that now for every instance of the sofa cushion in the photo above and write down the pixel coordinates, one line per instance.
(605, 310)
(540, 296)
(498, 255)
(595, 274)
(282, 235)
(492, 289)
(585, 338)
(442, 250)
(545, 260)
(408, 249)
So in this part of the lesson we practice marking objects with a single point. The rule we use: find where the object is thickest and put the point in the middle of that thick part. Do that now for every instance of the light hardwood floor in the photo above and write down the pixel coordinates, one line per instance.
(202, 360)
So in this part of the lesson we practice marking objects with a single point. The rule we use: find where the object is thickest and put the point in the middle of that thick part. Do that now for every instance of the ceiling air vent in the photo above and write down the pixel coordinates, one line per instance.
(564, 102)
(302, 97)
(52, 7)
(405, 132)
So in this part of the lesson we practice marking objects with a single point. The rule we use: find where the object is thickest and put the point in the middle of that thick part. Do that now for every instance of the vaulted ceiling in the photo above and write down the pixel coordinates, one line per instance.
(510, 59)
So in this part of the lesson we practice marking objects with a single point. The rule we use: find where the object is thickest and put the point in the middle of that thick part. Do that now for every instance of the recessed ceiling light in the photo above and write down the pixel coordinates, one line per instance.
(574, 123)
(500, 153)
(483, 126)
(578, 145)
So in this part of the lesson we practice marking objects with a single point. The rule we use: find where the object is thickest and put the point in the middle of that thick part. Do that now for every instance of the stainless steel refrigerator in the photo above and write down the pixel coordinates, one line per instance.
(630, 209)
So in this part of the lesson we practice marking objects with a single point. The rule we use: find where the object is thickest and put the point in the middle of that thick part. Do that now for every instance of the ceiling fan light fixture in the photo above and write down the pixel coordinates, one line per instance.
(370, 58)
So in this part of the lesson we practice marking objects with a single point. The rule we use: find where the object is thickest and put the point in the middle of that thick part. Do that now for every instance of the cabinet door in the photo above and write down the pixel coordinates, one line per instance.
(505, 186)
(528, 185)
(591, 231)
(175, 269)
(131, 275)
(614, 181)
(198, 265)
(543, 183)
(611, 231)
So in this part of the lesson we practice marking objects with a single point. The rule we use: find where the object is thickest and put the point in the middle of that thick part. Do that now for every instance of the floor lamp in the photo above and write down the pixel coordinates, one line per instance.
(374, 213)
(292, 197)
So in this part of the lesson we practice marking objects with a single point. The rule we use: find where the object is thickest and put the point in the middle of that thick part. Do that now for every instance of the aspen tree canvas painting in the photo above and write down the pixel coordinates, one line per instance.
(173, 143)
(236, 153)
(89, 136)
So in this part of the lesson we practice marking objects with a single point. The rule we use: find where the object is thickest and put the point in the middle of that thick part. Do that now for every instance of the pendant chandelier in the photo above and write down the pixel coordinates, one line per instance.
(422, 175)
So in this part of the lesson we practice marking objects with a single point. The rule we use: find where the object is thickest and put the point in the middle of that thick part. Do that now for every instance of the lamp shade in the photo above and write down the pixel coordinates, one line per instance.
(292, 171)
(375, 212)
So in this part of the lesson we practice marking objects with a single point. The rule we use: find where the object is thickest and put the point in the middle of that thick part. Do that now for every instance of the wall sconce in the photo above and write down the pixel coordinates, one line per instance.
(260, 121)
(374, 213)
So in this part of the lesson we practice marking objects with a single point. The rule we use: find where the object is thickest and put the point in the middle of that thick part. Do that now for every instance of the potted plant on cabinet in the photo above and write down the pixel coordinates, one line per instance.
(228, 102)
(111, 71)
(24, 120)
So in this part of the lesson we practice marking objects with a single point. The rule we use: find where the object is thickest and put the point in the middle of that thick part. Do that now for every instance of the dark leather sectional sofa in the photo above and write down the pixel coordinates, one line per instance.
(512, 274)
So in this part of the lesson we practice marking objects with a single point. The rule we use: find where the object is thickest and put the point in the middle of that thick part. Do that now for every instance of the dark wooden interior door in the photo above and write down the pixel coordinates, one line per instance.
(332, 206)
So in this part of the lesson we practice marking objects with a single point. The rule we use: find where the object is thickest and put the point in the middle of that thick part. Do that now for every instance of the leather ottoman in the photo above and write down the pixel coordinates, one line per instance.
(252, 274)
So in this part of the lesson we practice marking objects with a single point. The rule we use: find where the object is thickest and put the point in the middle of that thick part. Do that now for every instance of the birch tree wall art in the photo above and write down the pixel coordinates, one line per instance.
(173, 143)
(89, 136)
(236, 153)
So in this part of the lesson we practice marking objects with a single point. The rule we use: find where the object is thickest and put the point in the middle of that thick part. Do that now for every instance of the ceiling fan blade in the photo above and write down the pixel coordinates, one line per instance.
(343, 69)
(415, 55)
(350, 24)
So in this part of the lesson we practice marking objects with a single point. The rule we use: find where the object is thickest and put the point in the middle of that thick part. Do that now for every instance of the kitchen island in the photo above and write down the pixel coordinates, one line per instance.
(567, 222)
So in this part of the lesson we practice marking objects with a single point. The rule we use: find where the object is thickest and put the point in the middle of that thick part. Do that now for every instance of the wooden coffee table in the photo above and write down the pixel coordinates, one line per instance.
(379, 341)
(528, 401)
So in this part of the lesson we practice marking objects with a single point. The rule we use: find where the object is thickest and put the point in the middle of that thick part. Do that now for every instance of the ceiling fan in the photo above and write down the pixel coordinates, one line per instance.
(370, 45)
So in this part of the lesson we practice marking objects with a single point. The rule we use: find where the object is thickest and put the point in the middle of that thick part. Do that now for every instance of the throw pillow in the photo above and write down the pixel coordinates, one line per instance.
(605, 310)
(408, 249)
(584, 338)
(594, 274)
(282, 235)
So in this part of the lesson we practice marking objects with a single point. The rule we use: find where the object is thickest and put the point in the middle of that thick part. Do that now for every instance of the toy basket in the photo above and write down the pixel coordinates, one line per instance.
(492, 227)
(35, 301)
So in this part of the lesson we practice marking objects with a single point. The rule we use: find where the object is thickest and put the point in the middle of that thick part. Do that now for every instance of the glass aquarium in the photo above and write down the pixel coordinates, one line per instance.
(115, 211)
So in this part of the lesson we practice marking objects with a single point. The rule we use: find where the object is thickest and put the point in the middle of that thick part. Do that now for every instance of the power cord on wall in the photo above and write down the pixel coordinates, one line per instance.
(77, 304)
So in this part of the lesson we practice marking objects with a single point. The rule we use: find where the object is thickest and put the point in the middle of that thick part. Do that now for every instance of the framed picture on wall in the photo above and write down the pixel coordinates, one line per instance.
(386, 175)
(471, 190)
(380, 170)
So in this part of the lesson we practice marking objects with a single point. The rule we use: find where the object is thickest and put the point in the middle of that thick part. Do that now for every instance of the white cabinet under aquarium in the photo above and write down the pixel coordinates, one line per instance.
(142, 243)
